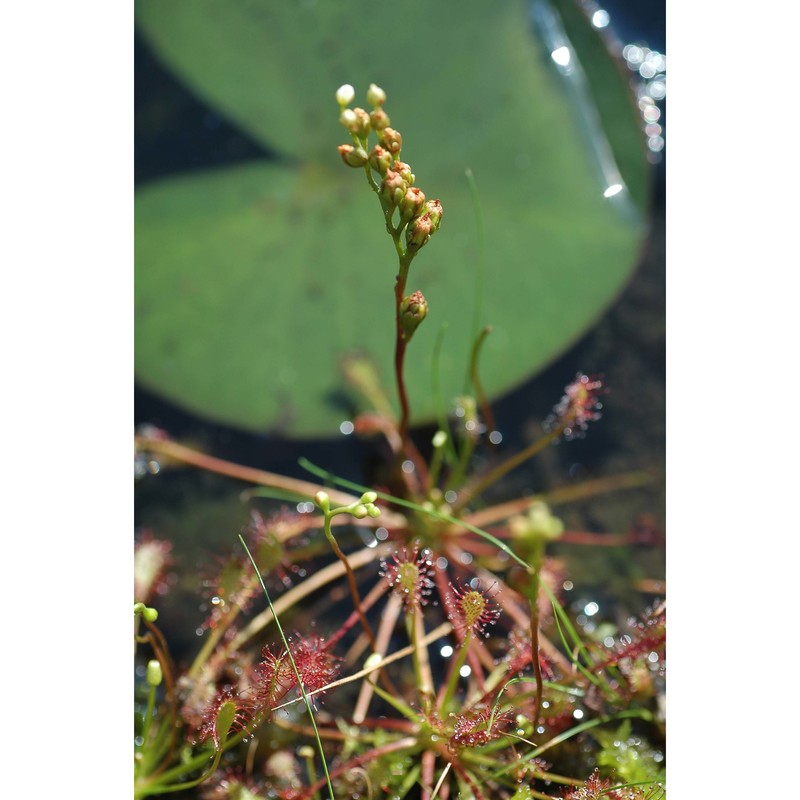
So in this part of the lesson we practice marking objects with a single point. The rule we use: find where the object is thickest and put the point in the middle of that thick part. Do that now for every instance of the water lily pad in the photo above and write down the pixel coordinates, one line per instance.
(252, 282)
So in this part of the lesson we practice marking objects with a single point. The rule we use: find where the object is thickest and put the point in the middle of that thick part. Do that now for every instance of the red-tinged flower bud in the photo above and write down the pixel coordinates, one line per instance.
(413, 309)
(379, 120)
(391, 140)
(375, 96)
(363, 129)
(411, 204)
(355, 120)
(405, 171)
(353, 156)
(380, 159)
(393, 188)
(434, 209)
(419, 231)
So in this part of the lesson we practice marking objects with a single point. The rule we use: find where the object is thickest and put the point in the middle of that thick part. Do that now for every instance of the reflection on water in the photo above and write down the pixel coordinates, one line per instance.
(648, 79)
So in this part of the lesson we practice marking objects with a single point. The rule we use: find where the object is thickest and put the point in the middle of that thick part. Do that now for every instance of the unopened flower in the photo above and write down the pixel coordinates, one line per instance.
(579, 406)
(355, 120)
(413, 309)
(393, 188)
(411, 204)
(434, 210)
(379, 120)
(539, 523)
(391, 140)
(380, 159)
(471, 609)
(353, 156)
(405, 171)
(410, 574)
(375, 95)
(419, 231)
(345, 95)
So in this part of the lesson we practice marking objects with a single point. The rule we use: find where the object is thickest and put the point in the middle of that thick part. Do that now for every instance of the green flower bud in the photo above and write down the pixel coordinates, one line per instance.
(154, 673)
(353, 156)
(391, 140)
(322, 500)
(373, 510)
(434, 209)
(369, 497)
(439, 439)
(380, 159)
(150, 614)
(363, 124)
(348, 119)
(379, 120)
(360, 511)
(405, 171)
(355, 120)
(538, 523)
(413, 309)
(411, 204)
(419, 231)
(393, 188)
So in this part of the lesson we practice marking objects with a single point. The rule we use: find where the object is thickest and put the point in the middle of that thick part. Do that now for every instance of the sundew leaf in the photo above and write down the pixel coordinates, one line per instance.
(253, 282)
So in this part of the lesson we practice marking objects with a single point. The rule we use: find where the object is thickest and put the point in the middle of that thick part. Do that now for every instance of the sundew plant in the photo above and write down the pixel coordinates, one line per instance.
(410, 638)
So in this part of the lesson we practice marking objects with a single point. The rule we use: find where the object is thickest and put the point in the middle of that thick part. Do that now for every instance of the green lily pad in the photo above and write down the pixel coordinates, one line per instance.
(252, 282)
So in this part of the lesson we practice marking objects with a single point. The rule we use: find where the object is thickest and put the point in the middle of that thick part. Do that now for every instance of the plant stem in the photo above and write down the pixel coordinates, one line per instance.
(477, 487)
(351, 579)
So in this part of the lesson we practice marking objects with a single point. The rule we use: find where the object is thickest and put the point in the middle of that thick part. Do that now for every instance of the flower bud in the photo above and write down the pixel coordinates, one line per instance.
(391, 140)
(322, 500)
(375, 95)
(369, 497)
(413, 309)
(154, 673)
(411, 204)
(348, 119)
(419, 231)
(405, 171)
(360, 511)
(353, 156)
(380, 159)
(434, 209)
(538, 523)
(345, 94)
(355, 120)
(393, 188)
(379, 120)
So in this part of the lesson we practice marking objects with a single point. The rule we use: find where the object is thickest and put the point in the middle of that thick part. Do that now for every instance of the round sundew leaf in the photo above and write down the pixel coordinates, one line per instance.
(253, 282)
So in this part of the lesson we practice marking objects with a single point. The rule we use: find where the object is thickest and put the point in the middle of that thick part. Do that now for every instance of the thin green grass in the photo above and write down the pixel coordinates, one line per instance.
(294, 667)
